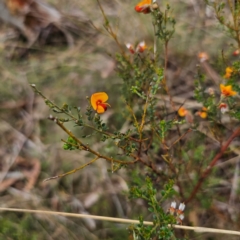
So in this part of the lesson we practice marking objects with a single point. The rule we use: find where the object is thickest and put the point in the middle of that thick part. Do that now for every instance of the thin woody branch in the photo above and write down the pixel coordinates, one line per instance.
(72, 171)
(85, 147)
(204, 175)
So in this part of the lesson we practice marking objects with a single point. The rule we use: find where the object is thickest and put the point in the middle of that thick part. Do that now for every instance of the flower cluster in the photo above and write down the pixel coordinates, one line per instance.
(226, 91)
(178, 213)
(139, 49)
(182, 112)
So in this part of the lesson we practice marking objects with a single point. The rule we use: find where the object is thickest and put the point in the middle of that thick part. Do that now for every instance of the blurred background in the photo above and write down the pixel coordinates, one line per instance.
(69, 60)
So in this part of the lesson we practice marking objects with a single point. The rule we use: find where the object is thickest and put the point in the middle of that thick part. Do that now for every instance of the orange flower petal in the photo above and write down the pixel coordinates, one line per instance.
(228, 72)
(138, 9)
(227, 75)
(100, 109)
(221, 87)
(203, 114)
(144, 6)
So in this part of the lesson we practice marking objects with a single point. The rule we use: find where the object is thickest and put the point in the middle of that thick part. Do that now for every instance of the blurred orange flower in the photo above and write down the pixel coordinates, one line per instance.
(202, 56)
(144, 6)
(98, 102)
(227, 90)
(228, 72)
(203, 113)
(182, 112)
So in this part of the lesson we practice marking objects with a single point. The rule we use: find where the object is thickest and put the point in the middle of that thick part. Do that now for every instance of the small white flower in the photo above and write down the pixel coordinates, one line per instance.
(141, 47)
(173, 205)
(181, 216)
(130, 47)
(181, 207)
(223, 108)
(210, 91)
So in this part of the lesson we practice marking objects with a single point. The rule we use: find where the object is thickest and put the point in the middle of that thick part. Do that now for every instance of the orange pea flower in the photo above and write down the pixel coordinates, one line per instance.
(98, 102)
(203, 113)
(228, 72)
(227, 90)
(144, 6)
(182, 112)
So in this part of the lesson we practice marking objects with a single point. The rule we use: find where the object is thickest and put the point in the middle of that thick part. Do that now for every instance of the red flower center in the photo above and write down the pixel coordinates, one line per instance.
(225, 92)
(103, 105)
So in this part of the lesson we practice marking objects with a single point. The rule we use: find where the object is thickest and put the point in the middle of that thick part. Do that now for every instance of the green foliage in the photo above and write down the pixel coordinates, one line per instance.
(164, 23)
(70, 144)
(161, 220)
(24, 231)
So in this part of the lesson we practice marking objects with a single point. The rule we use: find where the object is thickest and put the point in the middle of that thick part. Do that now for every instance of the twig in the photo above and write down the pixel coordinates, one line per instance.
(188, 131)
(119, 220)
(109, 28)
(155, 43)
(134, 118)
(72, 171)
(151, 166)
(235, 134)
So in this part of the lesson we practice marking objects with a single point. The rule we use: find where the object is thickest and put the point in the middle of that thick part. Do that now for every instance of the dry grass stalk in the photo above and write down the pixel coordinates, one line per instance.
(121, 220)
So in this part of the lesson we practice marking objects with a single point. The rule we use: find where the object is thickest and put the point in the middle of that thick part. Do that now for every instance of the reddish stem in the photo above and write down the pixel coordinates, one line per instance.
(235, 134)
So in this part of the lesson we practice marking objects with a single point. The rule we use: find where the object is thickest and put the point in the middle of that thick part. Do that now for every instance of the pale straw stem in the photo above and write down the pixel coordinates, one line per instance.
(120, 220)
